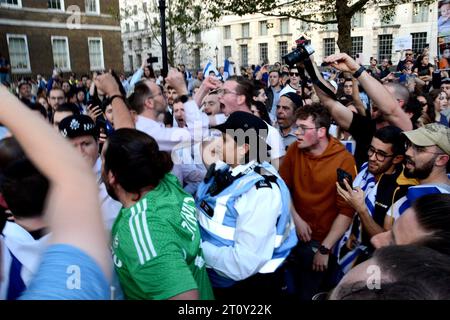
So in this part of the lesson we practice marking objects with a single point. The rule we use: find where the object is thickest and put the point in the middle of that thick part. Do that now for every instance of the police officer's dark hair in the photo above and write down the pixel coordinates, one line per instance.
(394, 136)
(68, 107)
(319, 114)
(408, 273)
(135, 160)
(433, 215)
(24, 189)
(244, 87)
(138, 97)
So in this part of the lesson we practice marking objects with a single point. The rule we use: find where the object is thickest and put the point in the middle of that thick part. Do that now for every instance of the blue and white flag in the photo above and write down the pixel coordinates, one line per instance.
(414, 192)
(208, 68)
(227, 69)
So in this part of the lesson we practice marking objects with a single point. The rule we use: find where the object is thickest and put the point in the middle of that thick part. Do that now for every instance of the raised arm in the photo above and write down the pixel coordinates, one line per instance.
(121, 114)
(385, 101)
(73, 208)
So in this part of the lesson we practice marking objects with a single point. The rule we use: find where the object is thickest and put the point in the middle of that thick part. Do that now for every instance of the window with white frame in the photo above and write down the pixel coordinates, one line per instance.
(18, 53)
(263, 52)
(227, 51)
(227, 32)
(263, 28)
(329, 46)
(419, 42)
(330, 17)
(144, 6)
(130, 44)
(244, 55)
(357, 46)
(284, 26)
(56, 4)
(11, 3)
(358, 20)
(130, 62)
(139, 44)
(96, 54)
(149, 42)
(384, 47)
(136, 26)
(92, 6)
(420, 12)
(245, 30)
(61, 55)
(146, 24)
(282, 50)
(127, 27)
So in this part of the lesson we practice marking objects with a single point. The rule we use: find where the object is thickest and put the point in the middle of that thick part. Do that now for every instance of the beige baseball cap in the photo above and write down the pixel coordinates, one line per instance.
(430, 135)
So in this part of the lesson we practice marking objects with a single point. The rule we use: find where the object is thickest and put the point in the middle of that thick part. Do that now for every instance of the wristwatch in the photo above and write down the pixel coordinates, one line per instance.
(359, 72)
(324, 250)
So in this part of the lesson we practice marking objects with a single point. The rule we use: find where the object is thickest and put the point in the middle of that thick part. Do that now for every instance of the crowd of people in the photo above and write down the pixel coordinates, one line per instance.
(278, 183)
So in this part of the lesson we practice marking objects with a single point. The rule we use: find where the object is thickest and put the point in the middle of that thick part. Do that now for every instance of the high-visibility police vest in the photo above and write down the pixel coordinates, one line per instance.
(219, 231)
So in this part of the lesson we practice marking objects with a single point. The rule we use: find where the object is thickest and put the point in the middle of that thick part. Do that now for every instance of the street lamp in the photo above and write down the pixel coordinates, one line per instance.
(162, 12)
(217, 56)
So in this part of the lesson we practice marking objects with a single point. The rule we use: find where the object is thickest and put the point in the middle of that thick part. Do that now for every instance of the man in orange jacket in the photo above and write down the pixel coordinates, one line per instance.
(321, 216)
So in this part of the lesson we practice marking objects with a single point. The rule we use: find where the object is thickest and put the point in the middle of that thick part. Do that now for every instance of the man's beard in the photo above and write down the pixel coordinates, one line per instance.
(420, 173)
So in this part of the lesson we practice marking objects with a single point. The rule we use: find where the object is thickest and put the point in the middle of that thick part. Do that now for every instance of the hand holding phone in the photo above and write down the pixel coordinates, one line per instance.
(341, 175)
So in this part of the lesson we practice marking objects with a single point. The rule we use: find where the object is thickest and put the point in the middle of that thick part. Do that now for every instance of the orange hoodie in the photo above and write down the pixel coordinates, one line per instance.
(312, 183)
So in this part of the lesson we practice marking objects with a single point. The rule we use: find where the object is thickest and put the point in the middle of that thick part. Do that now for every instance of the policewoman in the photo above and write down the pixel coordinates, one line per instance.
(243, 207)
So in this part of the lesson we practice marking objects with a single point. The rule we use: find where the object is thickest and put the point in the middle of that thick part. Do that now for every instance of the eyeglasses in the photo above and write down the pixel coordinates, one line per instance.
(225, 91)
(292, 74)
(302, 130)
(379, 155)
(419, 149)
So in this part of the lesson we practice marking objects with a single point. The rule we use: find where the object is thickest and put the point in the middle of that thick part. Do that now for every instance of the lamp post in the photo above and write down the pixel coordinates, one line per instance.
(217, 57)
(162, 11)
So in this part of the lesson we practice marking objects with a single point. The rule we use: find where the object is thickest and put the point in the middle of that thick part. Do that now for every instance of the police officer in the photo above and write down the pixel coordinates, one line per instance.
(244, 215)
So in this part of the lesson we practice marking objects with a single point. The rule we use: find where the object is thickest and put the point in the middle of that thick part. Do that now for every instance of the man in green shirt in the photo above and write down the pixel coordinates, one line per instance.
(155, 238)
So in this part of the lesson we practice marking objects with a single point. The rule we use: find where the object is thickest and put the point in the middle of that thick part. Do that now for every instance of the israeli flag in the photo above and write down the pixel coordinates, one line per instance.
(208, 68)
(227, 69)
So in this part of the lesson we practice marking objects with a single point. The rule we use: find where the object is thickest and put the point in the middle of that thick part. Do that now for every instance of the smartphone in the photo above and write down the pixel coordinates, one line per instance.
(397, 74)
(341, 175)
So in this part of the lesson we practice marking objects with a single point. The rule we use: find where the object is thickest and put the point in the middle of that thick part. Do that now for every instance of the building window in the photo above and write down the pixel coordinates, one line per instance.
(127, 27)
(245, 30)
(282, 50)
(11, 3)
(96, 53)
(385, 47)
(357, 20)
(420, 12)
(263, 28)
(263, 52)
(138, 59)
(198, 37)
(56, 4)
(130, 44)
(284, 26)
(197, 59)
(144, 7)
(227, 51)
(419, 42)
(61, 56)
(244, 55)
(330, 26)
(139, 44)
(136, 26)
(329, 46)
(92, 6)
(227, 32)
(135, 9)
(18, 53)
(387, 17)
(357, 46)
(130, 62)
(149, 42)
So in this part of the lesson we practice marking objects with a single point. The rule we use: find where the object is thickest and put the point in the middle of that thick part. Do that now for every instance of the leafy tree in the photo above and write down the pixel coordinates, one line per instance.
(184, 20)
(316, 12)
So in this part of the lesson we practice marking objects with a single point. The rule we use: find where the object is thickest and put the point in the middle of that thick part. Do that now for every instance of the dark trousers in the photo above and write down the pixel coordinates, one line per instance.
(303, 282)
(259, 287)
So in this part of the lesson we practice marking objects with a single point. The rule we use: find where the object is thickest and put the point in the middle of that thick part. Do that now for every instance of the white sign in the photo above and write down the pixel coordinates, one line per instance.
(403, 43)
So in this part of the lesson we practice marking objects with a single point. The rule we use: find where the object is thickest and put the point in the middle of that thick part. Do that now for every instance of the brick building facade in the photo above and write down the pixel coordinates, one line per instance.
(74, 35)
